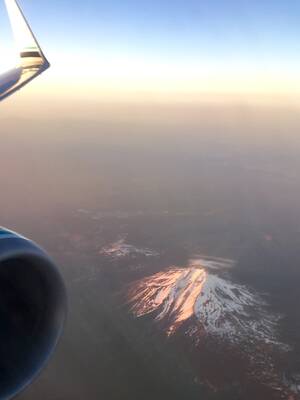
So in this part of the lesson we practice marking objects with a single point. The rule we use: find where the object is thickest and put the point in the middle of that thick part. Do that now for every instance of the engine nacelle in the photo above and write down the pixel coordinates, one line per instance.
(32, 311)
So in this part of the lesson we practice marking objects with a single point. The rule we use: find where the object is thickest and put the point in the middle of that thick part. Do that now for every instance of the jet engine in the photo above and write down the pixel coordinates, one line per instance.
(32, 311)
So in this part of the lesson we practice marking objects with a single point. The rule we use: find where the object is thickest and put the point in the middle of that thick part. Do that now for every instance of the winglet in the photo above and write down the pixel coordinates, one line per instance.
(27, 44)
(32, 59)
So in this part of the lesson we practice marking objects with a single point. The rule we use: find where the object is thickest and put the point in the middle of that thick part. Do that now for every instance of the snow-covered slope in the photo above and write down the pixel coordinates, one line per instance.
(233, 311)
(170, 294)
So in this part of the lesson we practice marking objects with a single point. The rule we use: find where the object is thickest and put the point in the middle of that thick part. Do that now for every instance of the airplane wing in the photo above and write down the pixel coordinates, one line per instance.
(32, 61)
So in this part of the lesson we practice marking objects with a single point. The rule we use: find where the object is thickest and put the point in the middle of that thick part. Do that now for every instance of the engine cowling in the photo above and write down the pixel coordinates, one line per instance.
(32, 311)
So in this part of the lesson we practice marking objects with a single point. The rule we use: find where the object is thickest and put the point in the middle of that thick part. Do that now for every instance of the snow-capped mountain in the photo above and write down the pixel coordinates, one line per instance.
(214, 305)
(210, 309)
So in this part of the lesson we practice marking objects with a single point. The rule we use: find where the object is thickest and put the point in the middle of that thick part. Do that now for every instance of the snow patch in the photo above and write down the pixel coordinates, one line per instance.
(121, 249)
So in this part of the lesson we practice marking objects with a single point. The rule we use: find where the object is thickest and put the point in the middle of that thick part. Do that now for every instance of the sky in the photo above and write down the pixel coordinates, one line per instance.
(166, 50)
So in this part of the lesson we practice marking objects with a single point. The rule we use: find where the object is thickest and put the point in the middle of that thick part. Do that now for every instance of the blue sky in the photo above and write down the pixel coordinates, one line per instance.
(176, 27)
(189, 40)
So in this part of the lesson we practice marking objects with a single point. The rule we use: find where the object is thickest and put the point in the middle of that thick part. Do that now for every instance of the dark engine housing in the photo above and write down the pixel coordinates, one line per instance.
(32, 311)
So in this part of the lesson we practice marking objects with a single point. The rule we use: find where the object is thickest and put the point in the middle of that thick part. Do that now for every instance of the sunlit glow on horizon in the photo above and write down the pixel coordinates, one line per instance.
(117, 76)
